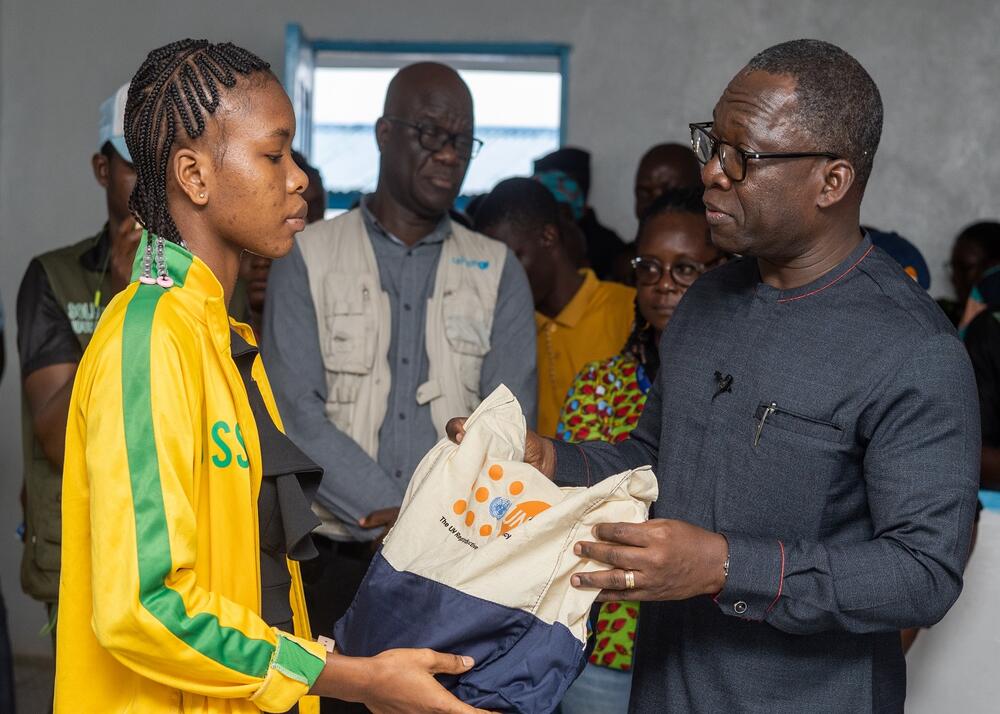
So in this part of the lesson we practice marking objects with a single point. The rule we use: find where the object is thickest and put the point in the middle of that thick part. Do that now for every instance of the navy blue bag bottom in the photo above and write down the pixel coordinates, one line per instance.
(523, 665)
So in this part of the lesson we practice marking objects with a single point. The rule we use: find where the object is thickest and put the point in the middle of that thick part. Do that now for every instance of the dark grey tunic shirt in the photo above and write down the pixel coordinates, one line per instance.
(353, 484)
(847, 520)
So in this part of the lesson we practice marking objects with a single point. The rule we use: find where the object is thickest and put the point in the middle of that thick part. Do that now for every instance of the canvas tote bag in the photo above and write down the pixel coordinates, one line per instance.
(479, 564)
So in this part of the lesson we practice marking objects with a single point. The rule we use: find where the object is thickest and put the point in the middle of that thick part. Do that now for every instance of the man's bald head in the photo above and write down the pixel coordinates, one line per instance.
(426, 83)
(664, 167)
(421, 167)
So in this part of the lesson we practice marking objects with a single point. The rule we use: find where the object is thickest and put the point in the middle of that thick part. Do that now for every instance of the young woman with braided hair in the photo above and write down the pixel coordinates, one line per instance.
(607, 398)
(185, 507)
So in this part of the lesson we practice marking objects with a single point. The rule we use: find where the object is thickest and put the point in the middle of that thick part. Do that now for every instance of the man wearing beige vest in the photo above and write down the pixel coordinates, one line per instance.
(386, 321)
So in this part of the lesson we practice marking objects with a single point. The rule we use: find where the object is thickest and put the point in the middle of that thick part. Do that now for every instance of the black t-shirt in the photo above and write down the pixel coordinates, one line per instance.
(982, 339)
(45, 334)
(288, 485)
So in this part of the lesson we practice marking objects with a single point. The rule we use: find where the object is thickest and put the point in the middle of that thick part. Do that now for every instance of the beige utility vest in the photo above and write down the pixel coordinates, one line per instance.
(355, 323)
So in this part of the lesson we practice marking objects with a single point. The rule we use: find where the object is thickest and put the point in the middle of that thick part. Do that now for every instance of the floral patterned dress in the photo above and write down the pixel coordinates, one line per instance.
(605, 403)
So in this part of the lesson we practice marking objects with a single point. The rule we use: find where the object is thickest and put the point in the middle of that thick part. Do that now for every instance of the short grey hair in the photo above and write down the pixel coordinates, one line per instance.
(839, 105)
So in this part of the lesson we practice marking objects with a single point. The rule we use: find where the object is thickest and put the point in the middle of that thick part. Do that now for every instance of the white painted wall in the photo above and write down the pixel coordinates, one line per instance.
(952, 667)
(640, 71)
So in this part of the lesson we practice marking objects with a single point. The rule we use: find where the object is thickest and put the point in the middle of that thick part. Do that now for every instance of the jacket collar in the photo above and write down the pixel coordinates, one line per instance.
(194, 281)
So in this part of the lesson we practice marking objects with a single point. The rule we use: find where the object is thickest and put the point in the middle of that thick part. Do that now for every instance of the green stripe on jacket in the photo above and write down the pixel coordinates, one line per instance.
(226, 645)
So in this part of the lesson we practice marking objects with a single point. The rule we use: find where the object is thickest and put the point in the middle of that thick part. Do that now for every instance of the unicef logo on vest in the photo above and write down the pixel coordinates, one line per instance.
(466, 262)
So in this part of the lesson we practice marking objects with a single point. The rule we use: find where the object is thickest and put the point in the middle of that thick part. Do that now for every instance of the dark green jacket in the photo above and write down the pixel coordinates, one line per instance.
(78, 277)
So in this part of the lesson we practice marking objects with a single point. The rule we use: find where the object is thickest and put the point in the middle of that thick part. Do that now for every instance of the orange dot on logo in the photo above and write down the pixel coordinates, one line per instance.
(470, 518)
(482, 494)
(516, 488)
(459, 507)
(485, 531)
(496, 472)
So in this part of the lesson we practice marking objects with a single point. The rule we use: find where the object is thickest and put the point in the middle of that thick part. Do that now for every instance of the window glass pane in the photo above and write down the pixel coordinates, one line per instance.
(517, 116)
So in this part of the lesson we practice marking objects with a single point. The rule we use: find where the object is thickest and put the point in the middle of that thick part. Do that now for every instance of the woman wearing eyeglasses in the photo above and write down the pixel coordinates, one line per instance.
(673, 250)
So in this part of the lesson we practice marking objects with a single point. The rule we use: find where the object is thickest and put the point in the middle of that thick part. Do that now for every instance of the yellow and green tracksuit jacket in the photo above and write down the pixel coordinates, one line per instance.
(159, 600)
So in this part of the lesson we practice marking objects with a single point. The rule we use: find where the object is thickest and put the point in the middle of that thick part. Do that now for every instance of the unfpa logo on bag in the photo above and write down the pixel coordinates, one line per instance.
(493, 506)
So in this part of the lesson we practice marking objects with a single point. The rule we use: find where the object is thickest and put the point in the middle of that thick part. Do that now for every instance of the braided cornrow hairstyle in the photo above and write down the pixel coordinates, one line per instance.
(176, 85)
(641, 343)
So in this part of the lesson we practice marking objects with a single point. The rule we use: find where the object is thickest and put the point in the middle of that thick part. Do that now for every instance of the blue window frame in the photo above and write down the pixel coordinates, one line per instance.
(344, 150)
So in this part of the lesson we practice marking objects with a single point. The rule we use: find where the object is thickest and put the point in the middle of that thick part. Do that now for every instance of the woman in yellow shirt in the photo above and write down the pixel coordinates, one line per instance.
(174, 442)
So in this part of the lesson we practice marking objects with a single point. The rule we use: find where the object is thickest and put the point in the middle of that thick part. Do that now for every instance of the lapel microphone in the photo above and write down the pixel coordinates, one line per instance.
(723, 384)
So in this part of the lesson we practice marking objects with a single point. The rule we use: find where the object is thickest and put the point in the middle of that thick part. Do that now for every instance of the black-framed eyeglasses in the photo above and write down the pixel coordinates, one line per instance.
(734, 159)
(435, 138)
(683, 273)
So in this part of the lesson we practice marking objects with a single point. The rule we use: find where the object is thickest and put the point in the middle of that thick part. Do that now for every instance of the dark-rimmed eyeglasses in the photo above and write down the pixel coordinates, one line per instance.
(434, 138)
(683, 273)
(734, 159)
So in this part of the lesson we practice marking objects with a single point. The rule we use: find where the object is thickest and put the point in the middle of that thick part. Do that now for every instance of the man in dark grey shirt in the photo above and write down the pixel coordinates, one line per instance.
(813, 427)
(425, 141)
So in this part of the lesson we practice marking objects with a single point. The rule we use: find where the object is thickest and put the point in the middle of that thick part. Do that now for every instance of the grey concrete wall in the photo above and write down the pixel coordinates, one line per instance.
(640, 71)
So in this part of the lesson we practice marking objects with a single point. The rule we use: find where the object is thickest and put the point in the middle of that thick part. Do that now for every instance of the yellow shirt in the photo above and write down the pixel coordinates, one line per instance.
(159, 599)
(593, 326)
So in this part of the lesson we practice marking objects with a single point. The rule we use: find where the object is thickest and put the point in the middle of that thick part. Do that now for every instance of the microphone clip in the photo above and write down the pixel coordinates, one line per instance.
(723, 384)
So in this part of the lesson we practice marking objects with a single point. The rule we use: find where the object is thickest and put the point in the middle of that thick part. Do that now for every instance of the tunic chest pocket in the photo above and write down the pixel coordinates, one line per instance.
(795, 462)
(771, 415)
(351, 323)
(467, 327)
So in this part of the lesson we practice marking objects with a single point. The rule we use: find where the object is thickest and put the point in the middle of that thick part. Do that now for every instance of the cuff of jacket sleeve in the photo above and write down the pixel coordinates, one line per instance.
(572, 465)
(295, 666)
(756, 576)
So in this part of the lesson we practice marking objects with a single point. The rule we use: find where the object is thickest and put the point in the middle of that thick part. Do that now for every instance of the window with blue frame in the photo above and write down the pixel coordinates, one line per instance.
(519, 93)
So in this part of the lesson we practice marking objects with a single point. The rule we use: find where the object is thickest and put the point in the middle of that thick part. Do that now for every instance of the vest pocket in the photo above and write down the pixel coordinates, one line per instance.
(351, 324)
(467, 327)
(45, 530)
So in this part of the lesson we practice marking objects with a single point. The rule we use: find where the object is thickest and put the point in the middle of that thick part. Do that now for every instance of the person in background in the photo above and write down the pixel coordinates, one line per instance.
(982, 340)
(903, 252)
(606, 400)
(254, 269)
(569, 199)
(382, 321)
(603, 244)
(578, 318)
(663, 167)
(62, 296)
(982, 239)
(975, 252)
